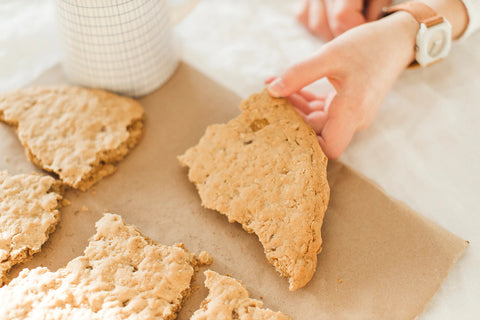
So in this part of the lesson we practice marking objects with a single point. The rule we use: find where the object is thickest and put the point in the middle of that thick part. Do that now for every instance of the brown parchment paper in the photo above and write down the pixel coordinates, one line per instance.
(380, 259)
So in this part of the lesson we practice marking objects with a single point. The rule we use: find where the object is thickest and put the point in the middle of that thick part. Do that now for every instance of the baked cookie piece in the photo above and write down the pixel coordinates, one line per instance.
(228, 299)
(79, 134)
(29, 206)
(122, 275)
(265, 170)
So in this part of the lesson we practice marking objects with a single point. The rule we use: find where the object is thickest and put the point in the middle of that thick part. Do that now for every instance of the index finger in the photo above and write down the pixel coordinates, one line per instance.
(303, 73)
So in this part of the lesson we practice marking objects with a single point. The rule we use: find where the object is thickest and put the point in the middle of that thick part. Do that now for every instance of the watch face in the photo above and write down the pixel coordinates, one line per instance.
(433, 43)
(436, 43)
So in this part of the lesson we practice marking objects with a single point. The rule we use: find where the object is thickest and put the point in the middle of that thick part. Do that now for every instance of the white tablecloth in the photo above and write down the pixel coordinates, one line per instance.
(423, 147)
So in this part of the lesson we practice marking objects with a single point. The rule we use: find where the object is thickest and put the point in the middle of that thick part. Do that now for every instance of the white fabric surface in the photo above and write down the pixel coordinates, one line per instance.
(423, 147)
(28, 41)
(473, 9)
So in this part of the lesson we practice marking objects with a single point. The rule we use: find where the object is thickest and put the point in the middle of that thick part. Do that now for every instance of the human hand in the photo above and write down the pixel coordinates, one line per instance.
(330, 18)
(362, 65)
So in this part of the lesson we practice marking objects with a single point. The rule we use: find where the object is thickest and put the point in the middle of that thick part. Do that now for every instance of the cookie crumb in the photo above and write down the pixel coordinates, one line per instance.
(205, 259)
(340, 280)
(84, 209)
(228, 298)
(66, 202)
(195, 288)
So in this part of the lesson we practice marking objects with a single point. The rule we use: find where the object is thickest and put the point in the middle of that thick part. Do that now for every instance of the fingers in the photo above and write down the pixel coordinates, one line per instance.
(374, 9)
(317, 105)
(344, 15)
(310, 96)
(300, 112)
(299, 103)
(301, 74)
(338, 129)
(335, 127)
(302, 15)
(304, 100)
(307, 95)
(316, 120)
(318, 21)
(329, 117)
(330, 18)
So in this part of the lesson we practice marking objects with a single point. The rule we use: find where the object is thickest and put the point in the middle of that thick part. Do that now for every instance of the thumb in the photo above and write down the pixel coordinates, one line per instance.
(301, 74)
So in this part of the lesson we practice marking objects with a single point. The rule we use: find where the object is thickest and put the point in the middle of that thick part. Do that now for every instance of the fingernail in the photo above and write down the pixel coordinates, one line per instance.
(276, 87)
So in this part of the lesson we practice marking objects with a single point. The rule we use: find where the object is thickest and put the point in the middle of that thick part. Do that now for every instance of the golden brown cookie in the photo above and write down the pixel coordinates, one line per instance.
(266, 171)
(228, 299)
(122, 275)
(79, 134)
(29, 206)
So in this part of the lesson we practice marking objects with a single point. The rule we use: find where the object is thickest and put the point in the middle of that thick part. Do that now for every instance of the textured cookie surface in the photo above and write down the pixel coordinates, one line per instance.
(122, 275)
(79, 134)
(265, 170)
(228, 299)
(28, 214)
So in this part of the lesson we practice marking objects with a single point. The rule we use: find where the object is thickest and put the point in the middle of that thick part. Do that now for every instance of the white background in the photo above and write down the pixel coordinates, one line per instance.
(423, 147)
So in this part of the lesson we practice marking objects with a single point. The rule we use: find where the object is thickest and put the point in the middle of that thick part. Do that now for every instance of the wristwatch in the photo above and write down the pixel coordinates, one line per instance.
(434, 38)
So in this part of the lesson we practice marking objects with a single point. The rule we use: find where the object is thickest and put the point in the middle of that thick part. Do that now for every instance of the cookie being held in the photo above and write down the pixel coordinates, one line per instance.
(228, 299)
(79, 134)
(266, 171)
(29, 206)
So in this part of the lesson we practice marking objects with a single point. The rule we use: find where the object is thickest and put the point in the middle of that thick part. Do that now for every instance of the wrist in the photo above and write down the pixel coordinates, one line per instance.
(403, 29)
